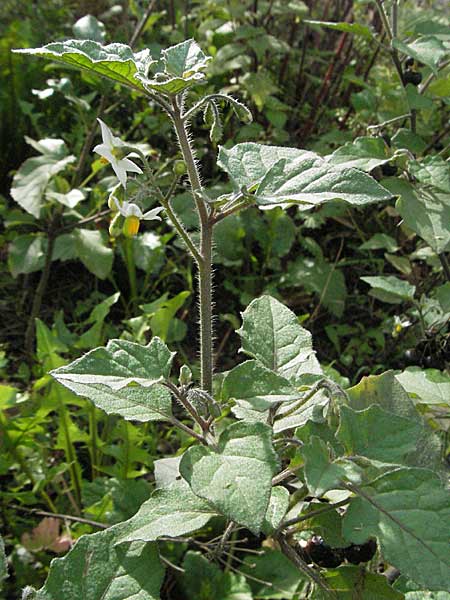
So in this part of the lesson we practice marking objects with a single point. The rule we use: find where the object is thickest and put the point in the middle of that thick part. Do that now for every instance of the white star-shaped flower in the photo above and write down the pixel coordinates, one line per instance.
(112, 149)
(129, 209)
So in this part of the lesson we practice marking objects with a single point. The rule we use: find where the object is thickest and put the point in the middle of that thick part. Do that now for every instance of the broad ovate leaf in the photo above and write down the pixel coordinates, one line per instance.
(225, 477)
(255, 386)
(92, 249)
(310, 181)
(424, 209)
(247, 163)
(386, 392)
(426, 386)
(377, 434)
(364, 153)
(271, 334)
(408, 510)
(122, 378)
(30, 181)
(117, 62)
(169, 512)
(96, 569)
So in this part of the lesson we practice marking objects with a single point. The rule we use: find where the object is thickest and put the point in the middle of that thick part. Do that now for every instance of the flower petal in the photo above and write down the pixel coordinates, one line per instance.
(119, 171)
(130, 166)
(104, 151)
(151, 215)
(107, 136)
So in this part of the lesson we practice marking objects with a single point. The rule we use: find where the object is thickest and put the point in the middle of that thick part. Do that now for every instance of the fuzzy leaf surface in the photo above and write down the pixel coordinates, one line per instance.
(96, 569)
(408, 510)
(364, 153)
(122, 378)
(377, 434)
(115, 61)
(310, 181)
(226, 477)
(172, 512)
(256, 386)
(271, 334)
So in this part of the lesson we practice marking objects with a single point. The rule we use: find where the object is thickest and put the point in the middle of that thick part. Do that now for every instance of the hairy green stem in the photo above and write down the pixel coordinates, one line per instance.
(205, 264)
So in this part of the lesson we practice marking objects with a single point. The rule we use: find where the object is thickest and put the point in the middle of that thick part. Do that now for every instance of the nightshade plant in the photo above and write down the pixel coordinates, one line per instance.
(278, 451)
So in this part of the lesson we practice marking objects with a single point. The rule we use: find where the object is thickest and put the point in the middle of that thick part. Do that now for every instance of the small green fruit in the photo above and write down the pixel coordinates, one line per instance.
(179, 167)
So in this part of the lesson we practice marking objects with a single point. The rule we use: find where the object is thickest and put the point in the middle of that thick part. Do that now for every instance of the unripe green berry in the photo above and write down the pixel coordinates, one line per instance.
(179, 167)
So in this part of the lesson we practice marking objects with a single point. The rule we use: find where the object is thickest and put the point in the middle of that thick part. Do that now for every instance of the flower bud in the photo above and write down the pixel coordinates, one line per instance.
(115, 227)
(185, 375)
(130, 226)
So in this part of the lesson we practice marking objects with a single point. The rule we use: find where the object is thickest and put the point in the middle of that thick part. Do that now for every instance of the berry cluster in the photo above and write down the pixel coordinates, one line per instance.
(410, 75)
(317, 551)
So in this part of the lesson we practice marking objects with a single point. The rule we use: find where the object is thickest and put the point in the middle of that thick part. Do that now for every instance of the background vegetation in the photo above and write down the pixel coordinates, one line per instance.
(373, 289)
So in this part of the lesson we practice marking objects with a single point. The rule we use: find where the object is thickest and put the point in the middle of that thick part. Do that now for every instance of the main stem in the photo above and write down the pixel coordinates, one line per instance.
(204, 261)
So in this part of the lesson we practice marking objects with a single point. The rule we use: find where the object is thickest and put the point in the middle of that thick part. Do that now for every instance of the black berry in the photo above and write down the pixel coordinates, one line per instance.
(358, 553)
(389, 170)
(412, 77)
(321, 554)
(409, 62)
(410, 356)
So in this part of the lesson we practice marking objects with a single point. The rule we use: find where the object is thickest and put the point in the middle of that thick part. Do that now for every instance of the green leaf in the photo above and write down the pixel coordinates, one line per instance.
(226, 477)
(276, 577)
(426, 211)
(364, 153)
(408, 510)
(278, 507)
(254, 386)
(354, 28)
(428, 49)
(390, 289)
(271, 333)
(321, 473)
(95, 569)
(405, 138)
(184, 59)
(433, 171)
(89, 28)
(311, 407)
(93, 336)
(247, 163)
(385, 391)
(183, 67)
(377, 434)
(93, 252)
(380, 241)
(348, 581)
(114, 61)
(428, 386)
(172, 512)
(122, 379)
(26, 254)
(311, 181)
(204, 580)
(30, 181)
